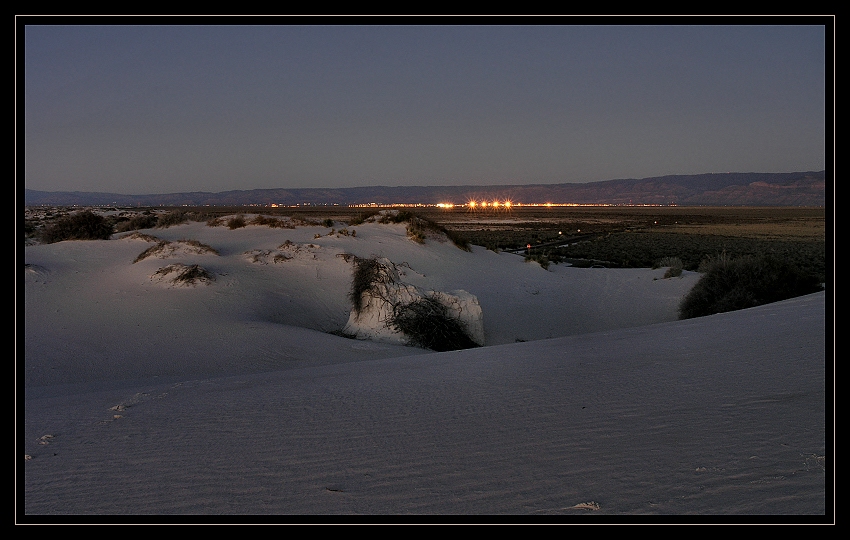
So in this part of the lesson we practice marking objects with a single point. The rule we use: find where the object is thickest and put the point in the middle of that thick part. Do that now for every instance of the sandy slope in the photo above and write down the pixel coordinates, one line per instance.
(231, 398)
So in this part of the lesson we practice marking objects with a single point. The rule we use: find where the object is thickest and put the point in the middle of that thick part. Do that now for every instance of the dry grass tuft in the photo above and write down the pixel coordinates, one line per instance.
(185, 275)
(165, 248)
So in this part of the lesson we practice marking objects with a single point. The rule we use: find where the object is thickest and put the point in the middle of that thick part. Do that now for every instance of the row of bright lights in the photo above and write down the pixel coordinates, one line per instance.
(507, 204)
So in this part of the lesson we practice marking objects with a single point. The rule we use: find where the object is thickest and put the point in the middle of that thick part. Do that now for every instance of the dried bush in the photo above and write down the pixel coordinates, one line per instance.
(367, 274)
(731, 284)
(427, 323)
(85, 225)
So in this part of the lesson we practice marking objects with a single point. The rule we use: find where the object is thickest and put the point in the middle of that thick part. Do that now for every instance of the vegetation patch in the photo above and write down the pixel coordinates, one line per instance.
(176, 217)
(164, 249)
(368, 274)
(145, 220)
(427, 323)
(637, 249)
(363, 217)
(141, 236)
(672, 264)
(419, 228)
(85, 225)
(730, 284)
(263, 256)
(180, 274)
(236, 222)
(272, 222)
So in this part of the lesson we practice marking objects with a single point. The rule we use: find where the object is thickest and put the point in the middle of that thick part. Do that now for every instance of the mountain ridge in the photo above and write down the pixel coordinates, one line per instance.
(807, 188)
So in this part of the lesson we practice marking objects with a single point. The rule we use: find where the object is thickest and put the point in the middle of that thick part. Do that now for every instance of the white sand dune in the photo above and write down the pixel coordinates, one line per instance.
(232, 397)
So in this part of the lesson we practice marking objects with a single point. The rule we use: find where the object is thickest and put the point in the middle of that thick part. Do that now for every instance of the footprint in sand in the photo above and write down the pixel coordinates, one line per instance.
(44, 439)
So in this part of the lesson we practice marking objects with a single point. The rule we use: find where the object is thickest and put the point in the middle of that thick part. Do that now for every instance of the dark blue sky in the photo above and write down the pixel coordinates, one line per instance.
(155, 109)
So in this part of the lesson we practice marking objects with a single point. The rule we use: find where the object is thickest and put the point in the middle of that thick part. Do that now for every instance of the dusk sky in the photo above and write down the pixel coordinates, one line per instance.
(162, 109)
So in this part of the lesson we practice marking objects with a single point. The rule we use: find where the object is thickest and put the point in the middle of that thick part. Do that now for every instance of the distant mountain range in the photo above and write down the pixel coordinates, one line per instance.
(714, 189)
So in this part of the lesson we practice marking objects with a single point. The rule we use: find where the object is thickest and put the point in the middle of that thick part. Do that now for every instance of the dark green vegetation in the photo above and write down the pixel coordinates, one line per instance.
(729, 284)
(645, 249)
(640, 237)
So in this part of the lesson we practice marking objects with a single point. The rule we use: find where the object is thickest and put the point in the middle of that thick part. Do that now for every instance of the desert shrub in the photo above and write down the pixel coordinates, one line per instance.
(171, 218)
(399, 216)
(264, 220)
(367, 274)
(328, 222)
(540, 258)
(456, 239)
(427, 323)
(673, 265)
(271, 222)
(418, 228)
(236, 222)
(644, 249)
(142, 221)
(85, 225)
(416, 233)
(730, 284)
(361, 217)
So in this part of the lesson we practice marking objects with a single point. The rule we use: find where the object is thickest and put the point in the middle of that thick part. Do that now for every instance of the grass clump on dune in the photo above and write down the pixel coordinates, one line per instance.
(673, 265)
(164, 248)
(185, 275)
(730, 284)
(419, 228)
